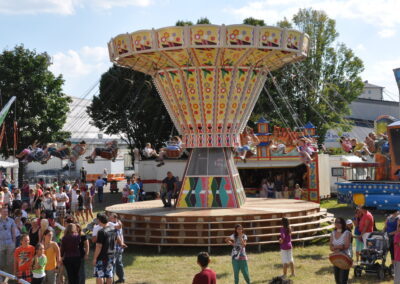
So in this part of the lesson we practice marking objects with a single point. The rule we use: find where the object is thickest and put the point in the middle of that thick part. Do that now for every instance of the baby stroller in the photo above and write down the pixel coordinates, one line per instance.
(373, 258)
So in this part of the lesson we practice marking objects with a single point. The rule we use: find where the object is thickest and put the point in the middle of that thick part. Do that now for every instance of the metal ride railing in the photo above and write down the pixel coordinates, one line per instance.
(7, 276)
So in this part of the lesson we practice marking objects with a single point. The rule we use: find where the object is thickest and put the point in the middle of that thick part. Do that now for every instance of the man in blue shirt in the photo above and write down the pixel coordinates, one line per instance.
(100, 188)
(168, 188)
(7, 241)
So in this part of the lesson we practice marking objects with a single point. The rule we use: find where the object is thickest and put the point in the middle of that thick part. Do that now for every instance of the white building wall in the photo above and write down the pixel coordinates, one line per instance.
(372, 93)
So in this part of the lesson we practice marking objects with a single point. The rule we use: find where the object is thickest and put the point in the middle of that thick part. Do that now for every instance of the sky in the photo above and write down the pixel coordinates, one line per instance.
(75, 32)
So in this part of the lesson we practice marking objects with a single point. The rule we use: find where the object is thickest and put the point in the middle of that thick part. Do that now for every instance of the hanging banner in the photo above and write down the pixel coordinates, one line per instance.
(5, 109)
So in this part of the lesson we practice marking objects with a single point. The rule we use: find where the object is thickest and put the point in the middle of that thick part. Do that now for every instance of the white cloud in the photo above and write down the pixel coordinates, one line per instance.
(380, 13)
(386, 33)
(75, 66)
(108, 4)
(63, 7)
(360, 47)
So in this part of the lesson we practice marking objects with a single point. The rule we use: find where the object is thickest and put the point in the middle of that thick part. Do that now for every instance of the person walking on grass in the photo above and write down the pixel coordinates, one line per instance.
(340, 242)
(100, 188)
(206, 275)
(238, 241)
(103, 257)
(285, 242)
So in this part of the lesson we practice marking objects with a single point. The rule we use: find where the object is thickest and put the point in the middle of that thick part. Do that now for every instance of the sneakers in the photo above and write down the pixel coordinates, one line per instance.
(161, 164)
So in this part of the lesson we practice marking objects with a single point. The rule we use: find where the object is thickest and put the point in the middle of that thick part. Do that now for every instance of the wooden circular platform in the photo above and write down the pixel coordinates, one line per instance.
(149, 223)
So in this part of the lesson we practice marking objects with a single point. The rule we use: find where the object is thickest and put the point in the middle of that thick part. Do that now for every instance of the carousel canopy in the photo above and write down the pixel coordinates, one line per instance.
(209, 77)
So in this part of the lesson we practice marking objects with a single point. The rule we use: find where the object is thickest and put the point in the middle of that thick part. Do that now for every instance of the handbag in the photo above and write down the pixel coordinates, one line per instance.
(341, 260)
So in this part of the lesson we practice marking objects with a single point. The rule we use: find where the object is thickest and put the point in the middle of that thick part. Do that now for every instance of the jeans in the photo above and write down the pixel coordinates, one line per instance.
(82, 273)
(72, 265)
(391, 247)
(100, 193)
(240, 265)
(7, 257)
(167, 194)
(341, 275)
(51, 276)
(396, 265)
(119, 266)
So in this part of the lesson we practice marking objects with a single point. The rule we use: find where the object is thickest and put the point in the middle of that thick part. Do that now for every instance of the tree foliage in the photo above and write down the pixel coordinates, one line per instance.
(128, 105)
(182, 23)
(41, 107)
(318, 89)
(203, 21)
(254, 22)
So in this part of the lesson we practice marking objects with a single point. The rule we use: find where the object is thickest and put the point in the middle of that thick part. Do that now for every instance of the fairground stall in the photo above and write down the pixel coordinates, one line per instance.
(375, 183)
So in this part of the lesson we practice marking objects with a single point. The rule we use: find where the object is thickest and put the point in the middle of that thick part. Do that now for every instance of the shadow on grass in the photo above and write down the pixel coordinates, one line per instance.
(311, 256)
(222, 275)
(325, 270)
(261, 281)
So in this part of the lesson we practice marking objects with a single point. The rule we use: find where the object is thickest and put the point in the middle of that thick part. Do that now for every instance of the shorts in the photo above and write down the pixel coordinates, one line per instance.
(359, 245)
(286, 256)
(104, 269)
(74, 207)
(61, 211)
(80, 208)
(25, 275)
(88, 206)
(243, 148)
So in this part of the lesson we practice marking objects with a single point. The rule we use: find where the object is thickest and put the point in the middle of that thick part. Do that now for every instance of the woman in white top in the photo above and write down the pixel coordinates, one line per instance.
(340, 242)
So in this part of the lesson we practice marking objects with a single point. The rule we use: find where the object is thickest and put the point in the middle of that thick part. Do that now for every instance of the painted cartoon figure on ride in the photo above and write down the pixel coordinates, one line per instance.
(248, 141)
(109, 152)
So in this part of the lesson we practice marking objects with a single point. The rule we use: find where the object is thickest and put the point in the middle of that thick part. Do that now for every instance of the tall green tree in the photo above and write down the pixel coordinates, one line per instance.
(318, 89)
(128, 105)
(41, 107)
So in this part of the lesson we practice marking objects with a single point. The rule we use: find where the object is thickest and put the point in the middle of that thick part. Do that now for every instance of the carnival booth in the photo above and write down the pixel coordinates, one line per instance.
(376, 183)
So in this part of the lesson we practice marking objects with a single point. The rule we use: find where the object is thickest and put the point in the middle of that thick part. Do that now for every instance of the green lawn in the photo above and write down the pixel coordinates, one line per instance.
(143, 265)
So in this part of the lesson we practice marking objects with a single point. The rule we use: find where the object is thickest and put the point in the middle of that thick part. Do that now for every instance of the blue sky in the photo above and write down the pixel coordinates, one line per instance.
(75, 32)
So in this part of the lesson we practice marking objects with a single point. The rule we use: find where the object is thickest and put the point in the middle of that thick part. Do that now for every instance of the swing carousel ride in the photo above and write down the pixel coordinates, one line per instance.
(209, 78)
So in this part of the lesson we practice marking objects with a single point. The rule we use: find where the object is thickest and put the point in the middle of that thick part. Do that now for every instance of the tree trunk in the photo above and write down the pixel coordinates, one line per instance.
(21, 172)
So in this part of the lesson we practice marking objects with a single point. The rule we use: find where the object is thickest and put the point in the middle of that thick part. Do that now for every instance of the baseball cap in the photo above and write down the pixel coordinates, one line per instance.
(349, 222)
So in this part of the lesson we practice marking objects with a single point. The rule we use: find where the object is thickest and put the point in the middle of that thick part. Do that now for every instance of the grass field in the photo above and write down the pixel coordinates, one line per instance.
(143, 265)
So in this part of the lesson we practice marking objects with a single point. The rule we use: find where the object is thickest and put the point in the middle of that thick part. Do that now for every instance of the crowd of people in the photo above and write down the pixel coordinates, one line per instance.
(276, 188)
(358, 231)
(239, 258)
(42, 239)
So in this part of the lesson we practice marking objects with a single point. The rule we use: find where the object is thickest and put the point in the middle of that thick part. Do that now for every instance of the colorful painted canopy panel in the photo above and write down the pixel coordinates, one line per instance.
(209, 77)
(207, 192)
